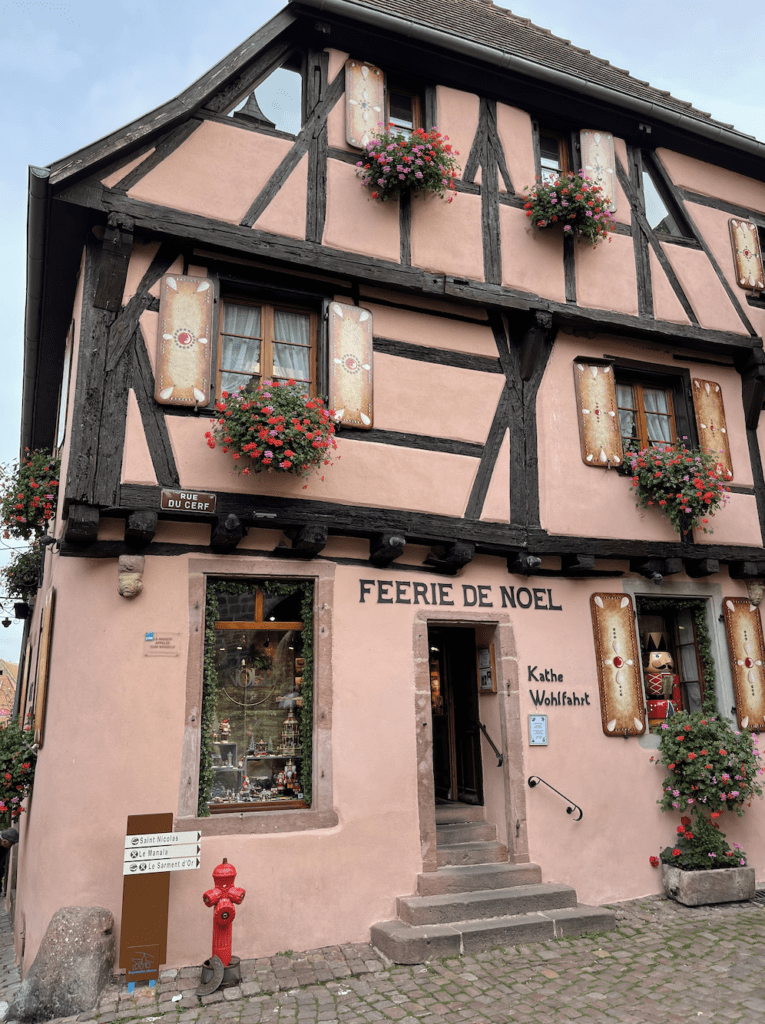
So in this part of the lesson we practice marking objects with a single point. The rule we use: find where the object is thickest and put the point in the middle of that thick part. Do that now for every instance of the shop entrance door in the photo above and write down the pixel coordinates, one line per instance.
(454, 705)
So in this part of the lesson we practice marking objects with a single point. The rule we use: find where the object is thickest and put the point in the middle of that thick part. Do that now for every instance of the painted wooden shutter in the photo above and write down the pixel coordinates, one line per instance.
(598, 161)
(622, 706)
(710, 421)
(350, 365)
(743, 627)
(364, 102)
(747, 254)
(183, 342)
(599, 431)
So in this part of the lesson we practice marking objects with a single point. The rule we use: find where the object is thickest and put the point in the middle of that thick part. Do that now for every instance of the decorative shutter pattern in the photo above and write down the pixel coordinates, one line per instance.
(183, 342)
(747, 255)
(743, 627)
(598, 161)
(599, 431)
(364, 102)
(622, 706)
(710, 420)
(350, 365)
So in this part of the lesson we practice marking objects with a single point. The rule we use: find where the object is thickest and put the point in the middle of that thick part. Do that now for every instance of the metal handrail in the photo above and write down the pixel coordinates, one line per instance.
(492, 744)
(534, 780)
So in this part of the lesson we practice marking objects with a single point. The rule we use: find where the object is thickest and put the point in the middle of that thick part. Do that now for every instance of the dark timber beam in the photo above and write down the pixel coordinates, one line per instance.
(116, 246)
(307, 542)
(226, 533)
(577, 563)
(743, 570)
(81, 525)
(451, 558)
(653, 567)
(536, 338)
(752, 372)
(140, 528)
(521, 564)
(384, 548)
(698, 568)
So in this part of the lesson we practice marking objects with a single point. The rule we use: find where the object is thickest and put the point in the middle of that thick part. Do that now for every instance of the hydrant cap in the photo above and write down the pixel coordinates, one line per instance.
(224, 874)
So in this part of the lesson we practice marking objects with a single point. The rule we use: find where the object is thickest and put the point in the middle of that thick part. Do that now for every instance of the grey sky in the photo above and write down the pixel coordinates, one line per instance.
(72, 72)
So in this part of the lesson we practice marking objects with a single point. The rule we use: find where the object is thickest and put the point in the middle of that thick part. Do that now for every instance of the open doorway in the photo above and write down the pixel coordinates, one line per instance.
(457, 771)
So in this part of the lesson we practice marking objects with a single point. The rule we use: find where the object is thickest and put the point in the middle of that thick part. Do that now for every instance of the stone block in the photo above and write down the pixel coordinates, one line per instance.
(72, 966)
(698, 888)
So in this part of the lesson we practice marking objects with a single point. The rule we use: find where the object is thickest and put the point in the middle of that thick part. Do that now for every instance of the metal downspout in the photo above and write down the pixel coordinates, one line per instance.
(37, 216)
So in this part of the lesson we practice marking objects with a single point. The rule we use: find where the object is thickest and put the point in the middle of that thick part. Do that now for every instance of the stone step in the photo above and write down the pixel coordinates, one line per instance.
(474, 906)
(471, 853)
(465, 832)
(459, 812)
(474, 877)
(413, 944)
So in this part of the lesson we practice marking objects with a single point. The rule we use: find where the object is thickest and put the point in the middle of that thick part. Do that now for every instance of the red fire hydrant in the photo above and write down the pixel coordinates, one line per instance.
(223, 897)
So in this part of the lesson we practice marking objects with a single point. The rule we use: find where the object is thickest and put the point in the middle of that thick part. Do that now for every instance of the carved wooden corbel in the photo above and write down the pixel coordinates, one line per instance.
(226, 533)
(535, 337)
(451, 558)
(384, 548)
(116, 246)
(307, 542)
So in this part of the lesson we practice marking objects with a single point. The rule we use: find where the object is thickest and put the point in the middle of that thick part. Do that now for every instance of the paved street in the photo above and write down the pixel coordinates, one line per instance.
(665, 963)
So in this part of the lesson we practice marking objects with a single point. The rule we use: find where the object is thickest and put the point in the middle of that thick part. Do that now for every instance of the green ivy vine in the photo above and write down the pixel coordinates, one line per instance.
(698, 609)
(210, 678)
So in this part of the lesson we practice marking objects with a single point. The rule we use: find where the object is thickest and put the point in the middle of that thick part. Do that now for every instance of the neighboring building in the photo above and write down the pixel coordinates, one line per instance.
(8, 675)
(475, 525)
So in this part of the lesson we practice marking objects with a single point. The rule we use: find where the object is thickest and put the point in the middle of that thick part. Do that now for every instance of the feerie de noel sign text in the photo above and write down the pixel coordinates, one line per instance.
(461, 595)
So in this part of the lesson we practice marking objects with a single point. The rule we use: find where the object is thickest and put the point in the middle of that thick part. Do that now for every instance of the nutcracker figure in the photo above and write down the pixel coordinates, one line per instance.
(661, 684)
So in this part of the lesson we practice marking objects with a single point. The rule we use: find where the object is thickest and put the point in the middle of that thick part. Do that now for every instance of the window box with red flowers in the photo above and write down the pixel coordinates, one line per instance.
(275, 427)
(398, 163)
(687, 484)
(573, 202)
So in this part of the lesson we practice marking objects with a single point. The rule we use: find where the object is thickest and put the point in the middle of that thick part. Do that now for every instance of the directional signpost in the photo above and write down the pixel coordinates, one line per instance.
(151, 851)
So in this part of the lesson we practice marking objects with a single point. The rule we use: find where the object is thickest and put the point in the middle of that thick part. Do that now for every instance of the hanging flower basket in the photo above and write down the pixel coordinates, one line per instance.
(275, 426)
(28, 495)
(397, 163)
(574, 202)
(687, 484)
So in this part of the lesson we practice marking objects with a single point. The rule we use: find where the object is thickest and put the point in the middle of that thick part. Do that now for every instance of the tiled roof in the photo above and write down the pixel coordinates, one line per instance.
(482, 22)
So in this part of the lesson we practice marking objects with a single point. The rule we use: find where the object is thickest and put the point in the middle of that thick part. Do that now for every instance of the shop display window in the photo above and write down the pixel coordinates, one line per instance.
(257, 715)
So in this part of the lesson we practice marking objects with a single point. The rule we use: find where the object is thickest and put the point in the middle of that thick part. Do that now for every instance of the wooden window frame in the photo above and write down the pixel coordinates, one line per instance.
(418, 104)
(267, 340)
(671, 631)
(566, 148)
(676, 384)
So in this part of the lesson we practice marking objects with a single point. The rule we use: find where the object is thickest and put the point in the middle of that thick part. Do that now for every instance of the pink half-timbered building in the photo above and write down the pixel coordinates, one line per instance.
(345, 681)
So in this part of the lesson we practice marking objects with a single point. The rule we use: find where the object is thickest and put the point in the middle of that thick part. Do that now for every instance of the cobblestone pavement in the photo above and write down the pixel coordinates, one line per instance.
(665, 963)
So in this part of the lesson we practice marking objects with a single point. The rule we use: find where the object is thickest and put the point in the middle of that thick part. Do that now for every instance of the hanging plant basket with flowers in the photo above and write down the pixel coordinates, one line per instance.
(397, 163)
(17, 769)
(688, 484)
(274, 426)
(574, 202)
(28, 495)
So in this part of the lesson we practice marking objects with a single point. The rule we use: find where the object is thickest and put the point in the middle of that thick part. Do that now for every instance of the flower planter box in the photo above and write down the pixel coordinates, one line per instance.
(697, 888)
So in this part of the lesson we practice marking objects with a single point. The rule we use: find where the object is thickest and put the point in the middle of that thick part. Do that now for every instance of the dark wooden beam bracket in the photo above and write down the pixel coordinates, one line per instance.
(384, 548)
(226, 533)
(698, 568)
(140, 528)
(307, 542)
(81, 525)
(745, 570)
(451, 558)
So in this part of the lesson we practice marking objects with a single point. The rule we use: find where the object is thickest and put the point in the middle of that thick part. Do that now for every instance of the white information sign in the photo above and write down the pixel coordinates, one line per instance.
(145, 867)
(163, 852)
(538, 730)
(162, 839)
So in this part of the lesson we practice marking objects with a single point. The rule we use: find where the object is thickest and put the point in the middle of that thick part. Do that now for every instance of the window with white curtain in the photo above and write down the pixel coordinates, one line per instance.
(261, 341)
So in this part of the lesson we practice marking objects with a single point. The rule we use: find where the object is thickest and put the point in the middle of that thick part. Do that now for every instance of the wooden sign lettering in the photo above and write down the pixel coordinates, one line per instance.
(187, 501)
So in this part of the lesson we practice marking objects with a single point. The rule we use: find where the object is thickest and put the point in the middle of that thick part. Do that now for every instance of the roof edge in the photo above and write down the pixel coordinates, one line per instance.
(174, 110)
(712, 131)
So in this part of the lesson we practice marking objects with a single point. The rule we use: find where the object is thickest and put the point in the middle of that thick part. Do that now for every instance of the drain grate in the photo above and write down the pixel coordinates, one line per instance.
(759, 897)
